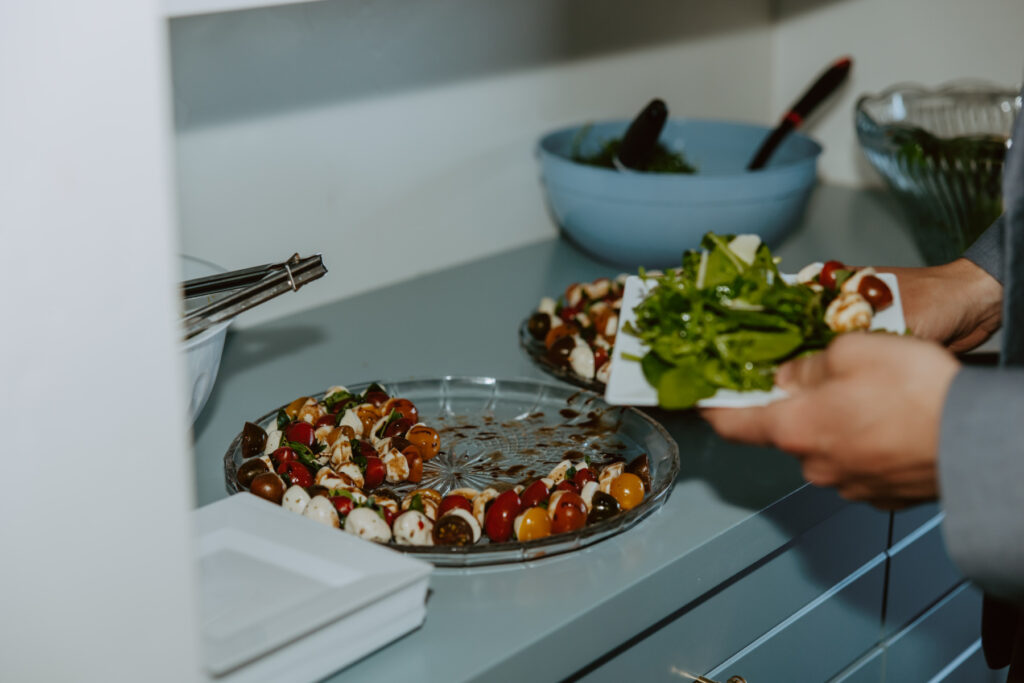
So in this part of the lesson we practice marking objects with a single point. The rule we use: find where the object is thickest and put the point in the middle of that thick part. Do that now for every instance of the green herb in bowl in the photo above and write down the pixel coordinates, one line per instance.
(662, 160)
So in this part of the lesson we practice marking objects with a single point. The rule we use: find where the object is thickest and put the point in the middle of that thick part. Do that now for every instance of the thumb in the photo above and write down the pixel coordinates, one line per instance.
(802, 373)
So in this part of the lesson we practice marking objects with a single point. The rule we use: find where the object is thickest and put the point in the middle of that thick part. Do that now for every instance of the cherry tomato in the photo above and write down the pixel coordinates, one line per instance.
(582, 477)
(566, 485)
(533, 524)
(534, 494)
(827, 277)
(412, 456)
(368, 415)
(404, 406)
(375, 472)
(556, 333)
(343, 504)
(426, 438)
(399, 427)
(293, 408)
(570, 513)
(628, 490)
(325, 421)
(875, 291)
(568, 313)
(389, 515)
(376, 397)
(300, 432)
(283, 454)
(601, 321)
(501, 515)
(294, 472)
(268, 486)
(600, 357)
(558, 353)
(452, 502)
(249, 470)
(364, 448)
(539, 325)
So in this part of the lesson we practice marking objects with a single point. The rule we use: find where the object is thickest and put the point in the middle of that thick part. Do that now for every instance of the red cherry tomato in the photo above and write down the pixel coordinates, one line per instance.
(326, 421)
(399, 427)
(294, 472)
(300, 432)
(376, 397)
(343, 504)
(570, 514)
(389, 515)
(582, 477)
(501, 515)
(827, 277)
(366, 449)
(375, 472)
(600, 357)
(533, 494)
(566, 485)
(282, 455)
(875, 291)
(452, 502)
(568, 313)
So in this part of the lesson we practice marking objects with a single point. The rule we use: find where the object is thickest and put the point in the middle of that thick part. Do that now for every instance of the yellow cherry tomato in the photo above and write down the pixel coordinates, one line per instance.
(533, 524)
(628, 490)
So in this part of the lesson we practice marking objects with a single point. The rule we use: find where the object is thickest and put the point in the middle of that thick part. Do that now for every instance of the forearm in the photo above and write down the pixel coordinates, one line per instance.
(981, 468)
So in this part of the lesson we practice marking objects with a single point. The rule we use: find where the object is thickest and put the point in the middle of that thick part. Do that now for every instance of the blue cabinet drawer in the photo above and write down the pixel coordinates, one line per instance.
(820, 640)
(906, 522)
(920, 573)
(731, 616)
(931, 642)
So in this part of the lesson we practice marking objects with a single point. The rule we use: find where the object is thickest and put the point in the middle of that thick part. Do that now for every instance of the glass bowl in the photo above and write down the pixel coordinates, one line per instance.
(502, 432)
(941, 152)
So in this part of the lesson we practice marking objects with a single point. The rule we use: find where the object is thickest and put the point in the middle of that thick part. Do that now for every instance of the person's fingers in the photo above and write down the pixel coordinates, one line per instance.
(746, 425)
(802, 373)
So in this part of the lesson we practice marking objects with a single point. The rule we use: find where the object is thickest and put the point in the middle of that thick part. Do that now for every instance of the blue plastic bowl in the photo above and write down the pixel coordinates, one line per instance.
(649, 219)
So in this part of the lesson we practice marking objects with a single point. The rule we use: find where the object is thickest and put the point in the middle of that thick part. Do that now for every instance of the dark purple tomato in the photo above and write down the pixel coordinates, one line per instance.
(377, 397)
(560, 350)
(875, 291)
(268, 486)
(539, 325)
(399, 427)
(453, 530)
(254, 439)
(249, 470)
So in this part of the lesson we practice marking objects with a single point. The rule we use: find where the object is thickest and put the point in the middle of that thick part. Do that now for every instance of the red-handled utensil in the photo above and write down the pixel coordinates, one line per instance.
(826, 84)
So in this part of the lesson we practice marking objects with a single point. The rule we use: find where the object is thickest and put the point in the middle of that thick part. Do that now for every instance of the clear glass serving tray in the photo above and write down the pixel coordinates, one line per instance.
(503, 432)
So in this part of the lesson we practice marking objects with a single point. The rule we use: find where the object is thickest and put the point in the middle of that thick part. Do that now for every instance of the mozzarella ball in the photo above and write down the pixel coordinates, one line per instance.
(848, 312)
(295, 499)
(581, 358)
(852, 283)
(397, 466)
(558, 473)
(412, 527)
(274, 437)
(351, 419)
(352, 471)
(365, 523)
(322, 510)
(587, 494)
(608, 474)
(341, 453)
(480, 503)
(809, 272)
(547, 305)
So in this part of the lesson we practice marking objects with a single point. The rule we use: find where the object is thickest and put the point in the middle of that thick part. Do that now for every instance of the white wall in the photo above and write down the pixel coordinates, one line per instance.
(397, 137)
(891, 41)
(96, 547)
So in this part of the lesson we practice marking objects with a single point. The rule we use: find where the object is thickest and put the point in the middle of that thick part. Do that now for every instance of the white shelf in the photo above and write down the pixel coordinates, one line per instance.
(187, 8)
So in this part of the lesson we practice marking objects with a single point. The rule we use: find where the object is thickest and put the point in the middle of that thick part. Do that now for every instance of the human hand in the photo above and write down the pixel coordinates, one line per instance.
(957, 304)
(863, 416)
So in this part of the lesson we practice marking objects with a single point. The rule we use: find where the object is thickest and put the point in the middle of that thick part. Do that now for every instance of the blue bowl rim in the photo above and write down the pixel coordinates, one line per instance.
(545, 139)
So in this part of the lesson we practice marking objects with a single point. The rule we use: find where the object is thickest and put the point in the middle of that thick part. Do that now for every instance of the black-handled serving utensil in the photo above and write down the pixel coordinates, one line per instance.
(826, 84)
(641, 138)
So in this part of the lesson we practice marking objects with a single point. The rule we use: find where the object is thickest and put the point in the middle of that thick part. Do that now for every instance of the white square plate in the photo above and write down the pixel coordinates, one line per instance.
(627, 385)
(269, 578)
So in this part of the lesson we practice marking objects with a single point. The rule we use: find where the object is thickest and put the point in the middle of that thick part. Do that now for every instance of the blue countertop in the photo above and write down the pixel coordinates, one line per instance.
(731, 507)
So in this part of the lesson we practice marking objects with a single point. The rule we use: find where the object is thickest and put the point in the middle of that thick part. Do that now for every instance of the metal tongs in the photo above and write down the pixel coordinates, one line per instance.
(254, 286)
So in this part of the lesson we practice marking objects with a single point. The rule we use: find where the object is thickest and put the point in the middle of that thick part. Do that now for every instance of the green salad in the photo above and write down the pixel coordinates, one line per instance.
(725, 320)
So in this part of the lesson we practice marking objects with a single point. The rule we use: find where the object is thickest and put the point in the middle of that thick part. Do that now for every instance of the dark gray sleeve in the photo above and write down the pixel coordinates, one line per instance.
(981, 478)
(987, 250)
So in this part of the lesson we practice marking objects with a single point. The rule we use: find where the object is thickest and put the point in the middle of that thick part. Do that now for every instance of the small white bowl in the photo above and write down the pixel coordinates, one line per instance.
(202, 352)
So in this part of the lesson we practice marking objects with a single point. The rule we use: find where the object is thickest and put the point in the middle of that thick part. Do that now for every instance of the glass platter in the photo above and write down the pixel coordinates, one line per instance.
(503, 432)
(538, 353)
